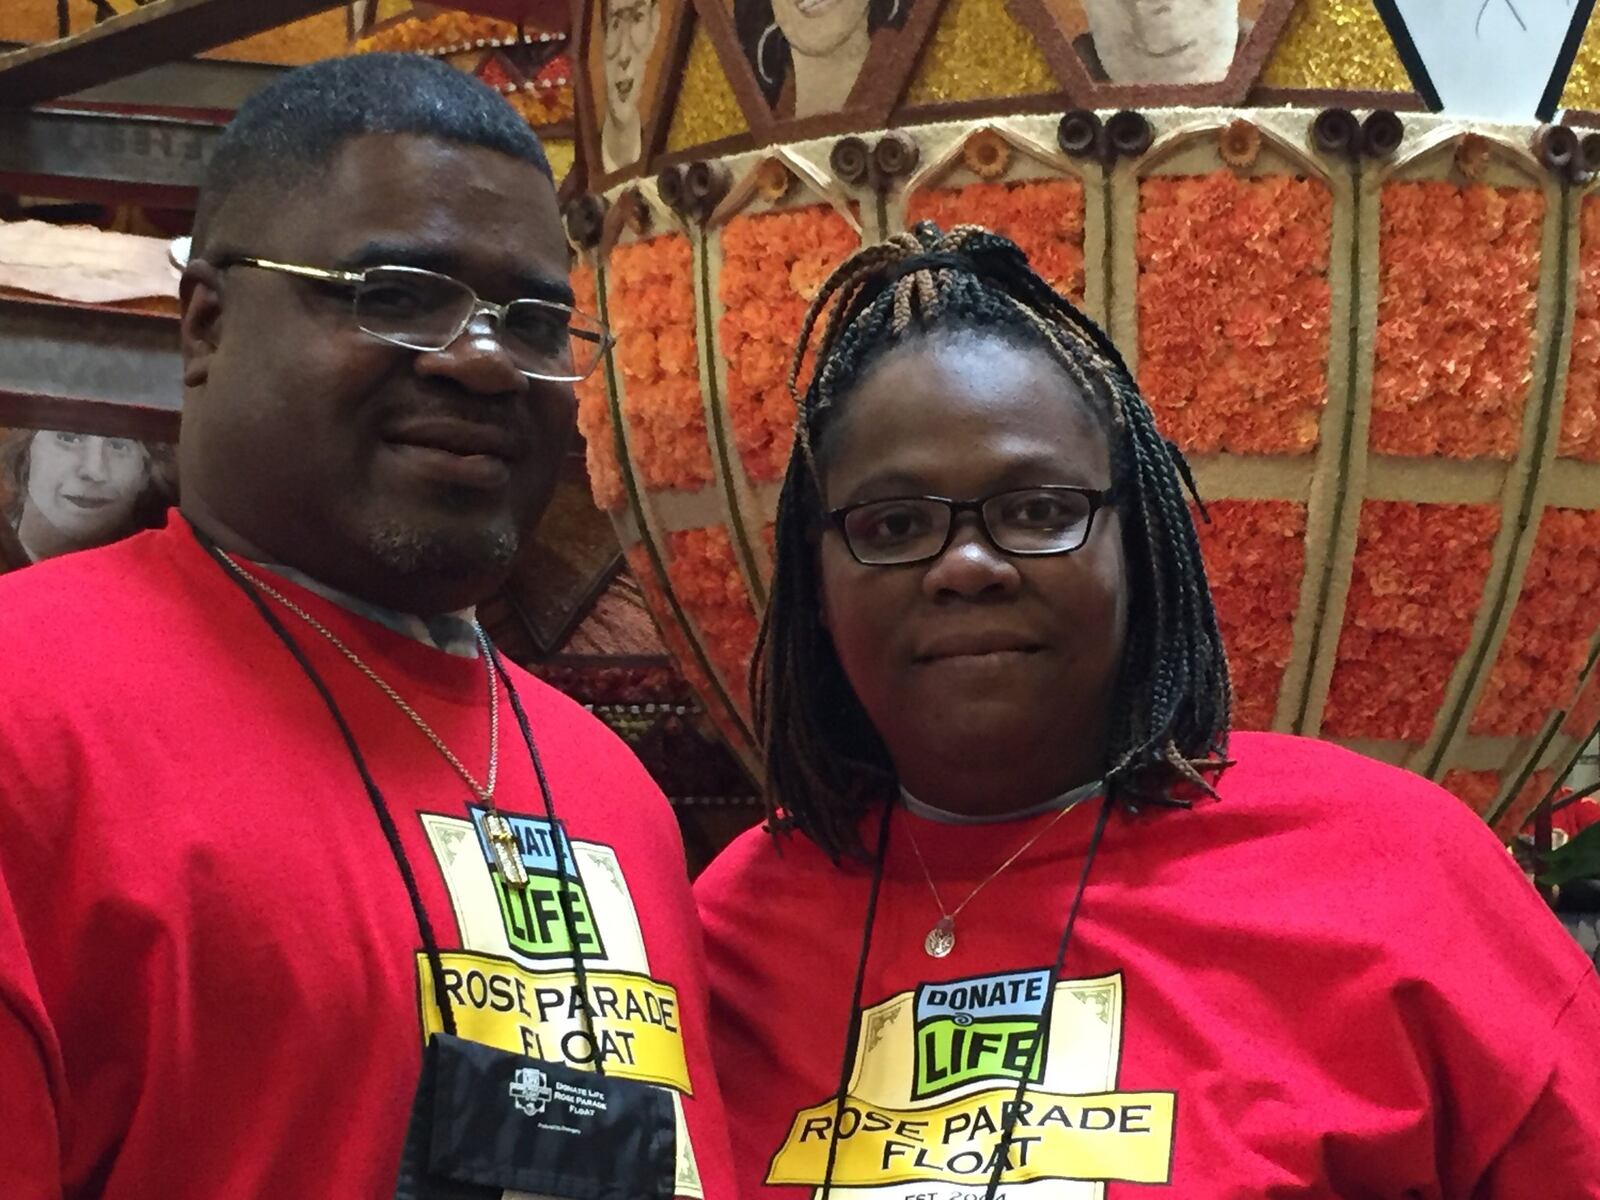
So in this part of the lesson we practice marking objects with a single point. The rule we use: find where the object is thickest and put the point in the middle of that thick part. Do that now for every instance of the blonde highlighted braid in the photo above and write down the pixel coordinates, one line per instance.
(826, 765)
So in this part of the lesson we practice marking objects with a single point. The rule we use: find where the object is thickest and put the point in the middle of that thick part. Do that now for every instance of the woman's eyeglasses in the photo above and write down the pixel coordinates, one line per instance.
(1033, 521)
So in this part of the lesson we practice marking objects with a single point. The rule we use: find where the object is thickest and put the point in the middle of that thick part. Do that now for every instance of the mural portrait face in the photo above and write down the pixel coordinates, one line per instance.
(630, 29)
(1160, 41)
(817, 28)
(809, 53)
(70, 491)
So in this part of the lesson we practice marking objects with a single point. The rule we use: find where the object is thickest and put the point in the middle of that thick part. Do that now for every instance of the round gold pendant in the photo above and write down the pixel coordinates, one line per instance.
(941, 938)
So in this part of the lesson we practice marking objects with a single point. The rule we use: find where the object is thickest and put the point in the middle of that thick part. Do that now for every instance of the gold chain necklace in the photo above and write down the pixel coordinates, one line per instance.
(507, 854)
(941, 939)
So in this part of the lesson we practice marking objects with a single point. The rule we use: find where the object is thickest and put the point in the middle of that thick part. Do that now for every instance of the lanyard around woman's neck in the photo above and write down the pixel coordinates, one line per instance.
(853, 1028)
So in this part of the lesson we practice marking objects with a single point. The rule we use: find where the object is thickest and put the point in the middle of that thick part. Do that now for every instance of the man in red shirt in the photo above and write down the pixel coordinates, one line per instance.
(271, 810)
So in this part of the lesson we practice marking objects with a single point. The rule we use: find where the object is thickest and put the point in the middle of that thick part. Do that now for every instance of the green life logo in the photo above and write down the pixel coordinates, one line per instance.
(985, 1028)
(535, 921)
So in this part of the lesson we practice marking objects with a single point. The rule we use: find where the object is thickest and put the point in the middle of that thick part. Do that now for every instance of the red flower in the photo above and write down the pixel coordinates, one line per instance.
(1418, 578)
(1547, 641)
(709, 587)
(1255, 554)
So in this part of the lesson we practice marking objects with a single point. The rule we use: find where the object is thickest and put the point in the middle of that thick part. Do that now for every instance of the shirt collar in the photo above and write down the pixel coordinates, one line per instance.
(454, 633)
(929, 812)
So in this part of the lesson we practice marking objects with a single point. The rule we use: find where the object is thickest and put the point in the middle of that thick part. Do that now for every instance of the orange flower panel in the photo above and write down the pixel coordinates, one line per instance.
(1580, 413)
(1234, 310)
(650, 294)
(1547, 642)
(1255, 556)
(1458, 293)
(1417, 583)
(1584, 716)
(1475, 789)
(1522, 807)
(773, 265)
(594, 414)
(672, 634)
(706, 580)
(1042, 216)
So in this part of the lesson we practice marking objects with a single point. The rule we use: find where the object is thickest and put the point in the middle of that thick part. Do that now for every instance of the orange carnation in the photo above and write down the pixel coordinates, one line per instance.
(594, 414)
(1458, 283)
(1255, 555)
(1234, 310)
(772, 266)
(708, 585)
(1042, 216)
(1418, 580)
(651, 298)
(1580, 413)
(1547, 641)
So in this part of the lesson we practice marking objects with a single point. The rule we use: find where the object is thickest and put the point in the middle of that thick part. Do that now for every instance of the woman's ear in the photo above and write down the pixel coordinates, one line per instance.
(200, 327)
(814, 545)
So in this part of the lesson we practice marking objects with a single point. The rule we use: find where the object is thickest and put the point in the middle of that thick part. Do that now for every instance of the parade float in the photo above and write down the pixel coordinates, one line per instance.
(1351, 254)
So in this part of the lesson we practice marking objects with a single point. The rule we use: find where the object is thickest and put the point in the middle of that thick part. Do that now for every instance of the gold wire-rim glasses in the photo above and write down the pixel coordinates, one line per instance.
(582, 328)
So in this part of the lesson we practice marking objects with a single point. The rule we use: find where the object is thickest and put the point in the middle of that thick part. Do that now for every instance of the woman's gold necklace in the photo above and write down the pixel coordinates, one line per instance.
(503, 842)
(941, 939)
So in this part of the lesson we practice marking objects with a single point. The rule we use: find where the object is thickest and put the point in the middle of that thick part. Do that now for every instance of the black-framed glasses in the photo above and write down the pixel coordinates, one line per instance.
(1035, 521)
(424, 310)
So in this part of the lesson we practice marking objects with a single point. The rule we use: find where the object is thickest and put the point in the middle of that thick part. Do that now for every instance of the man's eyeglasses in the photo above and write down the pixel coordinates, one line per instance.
(1025, 521)
(423, 310)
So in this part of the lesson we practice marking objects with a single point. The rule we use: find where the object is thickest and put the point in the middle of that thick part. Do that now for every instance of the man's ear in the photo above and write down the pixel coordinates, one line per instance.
(200, 328)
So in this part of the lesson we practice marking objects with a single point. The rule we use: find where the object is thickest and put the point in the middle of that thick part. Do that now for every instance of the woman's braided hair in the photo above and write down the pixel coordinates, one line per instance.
(826, 764)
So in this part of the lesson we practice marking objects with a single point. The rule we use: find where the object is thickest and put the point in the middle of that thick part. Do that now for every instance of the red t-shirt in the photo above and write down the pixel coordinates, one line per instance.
(211, 978)
(1333, 982)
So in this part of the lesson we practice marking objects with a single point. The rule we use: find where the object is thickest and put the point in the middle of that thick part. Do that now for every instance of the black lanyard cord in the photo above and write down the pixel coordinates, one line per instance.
(558, 838)
(391, 834)
(1008, 1127)
(852, 1031)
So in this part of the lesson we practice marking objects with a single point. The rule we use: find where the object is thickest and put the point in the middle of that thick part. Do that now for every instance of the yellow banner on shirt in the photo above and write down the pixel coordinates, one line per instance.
(627, 1023)
(1123, 1136)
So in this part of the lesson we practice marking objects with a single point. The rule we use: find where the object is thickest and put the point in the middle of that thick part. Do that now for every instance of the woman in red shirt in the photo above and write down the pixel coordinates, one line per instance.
(1029, 920)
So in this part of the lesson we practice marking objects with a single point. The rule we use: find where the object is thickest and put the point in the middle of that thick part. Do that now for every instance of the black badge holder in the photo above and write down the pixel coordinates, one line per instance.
(486, 1120)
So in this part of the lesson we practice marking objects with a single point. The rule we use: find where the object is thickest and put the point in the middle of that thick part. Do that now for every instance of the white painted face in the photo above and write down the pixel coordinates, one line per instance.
(631, 27)
(816, 28)
(84, 485)
(1164, 41)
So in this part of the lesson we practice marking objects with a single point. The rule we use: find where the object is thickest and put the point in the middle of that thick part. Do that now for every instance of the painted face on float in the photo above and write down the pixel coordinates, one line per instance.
(86, 486)
(818, 27)
(1164, 41)
(631, 27)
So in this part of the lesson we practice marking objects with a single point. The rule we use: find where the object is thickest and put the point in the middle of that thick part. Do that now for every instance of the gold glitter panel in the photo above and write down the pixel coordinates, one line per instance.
(706, 109)
(321, 36)
(978, 52)
(1583, 84)
(292, 45)
(1336, 44)
(35, 20)
(560, 152)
